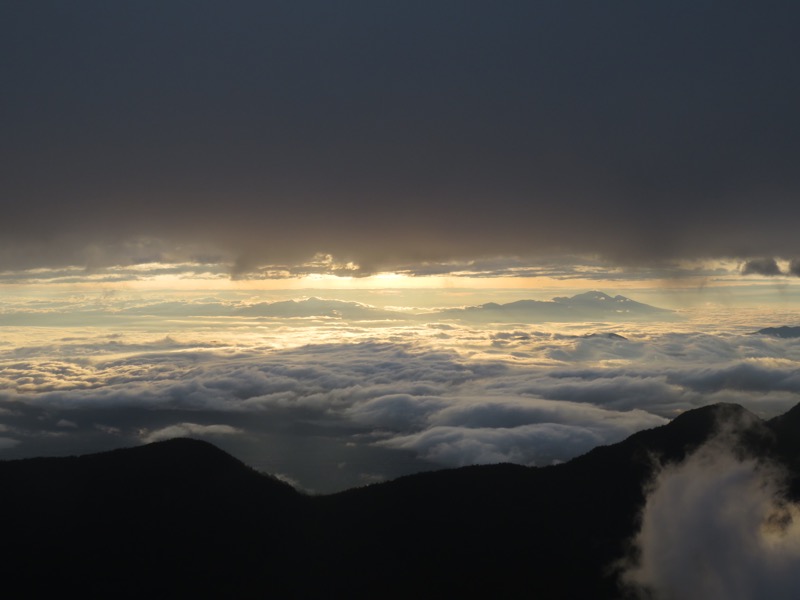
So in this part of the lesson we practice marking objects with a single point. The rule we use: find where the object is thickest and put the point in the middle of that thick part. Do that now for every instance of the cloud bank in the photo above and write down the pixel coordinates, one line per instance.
(350, 401)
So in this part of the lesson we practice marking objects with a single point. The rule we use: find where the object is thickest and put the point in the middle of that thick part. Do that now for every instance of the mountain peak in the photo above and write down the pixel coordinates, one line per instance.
(593, 295)
(713, 417)
(784, 331)
(587, 306)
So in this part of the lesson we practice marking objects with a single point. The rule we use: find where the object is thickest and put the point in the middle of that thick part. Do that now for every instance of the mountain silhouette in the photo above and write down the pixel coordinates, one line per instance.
(589, 306)
(783, 331)
(183, 518)
(318, 307)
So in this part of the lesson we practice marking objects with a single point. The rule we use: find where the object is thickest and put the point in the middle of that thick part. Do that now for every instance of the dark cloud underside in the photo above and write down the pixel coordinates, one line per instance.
(389, 133)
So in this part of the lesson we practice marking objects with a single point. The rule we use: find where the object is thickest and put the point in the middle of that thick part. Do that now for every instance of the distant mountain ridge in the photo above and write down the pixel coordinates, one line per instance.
(782, 332)
(318, 307)
(186, 518)
(589, 306)
(586, 306)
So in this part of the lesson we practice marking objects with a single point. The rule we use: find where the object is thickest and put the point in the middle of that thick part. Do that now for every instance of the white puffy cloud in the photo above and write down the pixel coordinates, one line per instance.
(717, 527)
(399, 412)
(482, 394)
(528, 431)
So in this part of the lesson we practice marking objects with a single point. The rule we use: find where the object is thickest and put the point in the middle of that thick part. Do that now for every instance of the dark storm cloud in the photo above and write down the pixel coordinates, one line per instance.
(395, 133)
(761, 266)
(770, 267)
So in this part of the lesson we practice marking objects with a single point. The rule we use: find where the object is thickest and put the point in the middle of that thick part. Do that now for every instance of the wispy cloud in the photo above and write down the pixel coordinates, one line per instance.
(188, 430)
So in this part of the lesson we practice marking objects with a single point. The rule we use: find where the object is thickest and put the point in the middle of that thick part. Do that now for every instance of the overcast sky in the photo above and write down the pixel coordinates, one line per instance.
(395, 133)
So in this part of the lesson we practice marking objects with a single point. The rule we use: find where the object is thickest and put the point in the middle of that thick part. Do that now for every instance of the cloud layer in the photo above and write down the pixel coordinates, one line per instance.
(331, 402)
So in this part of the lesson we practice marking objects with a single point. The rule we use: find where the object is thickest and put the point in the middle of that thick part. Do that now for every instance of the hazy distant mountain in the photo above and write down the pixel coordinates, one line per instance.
(605, 335)
(318, 307)
(589, 306)
(783, 332)
(303, 308)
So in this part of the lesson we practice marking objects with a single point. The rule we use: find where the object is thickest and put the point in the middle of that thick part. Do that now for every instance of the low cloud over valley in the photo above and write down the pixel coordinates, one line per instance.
(427, 395)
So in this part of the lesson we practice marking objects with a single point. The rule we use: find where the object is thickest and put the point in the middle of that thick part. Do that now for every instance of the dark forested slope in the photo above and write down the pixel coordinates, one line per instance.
(182, 517)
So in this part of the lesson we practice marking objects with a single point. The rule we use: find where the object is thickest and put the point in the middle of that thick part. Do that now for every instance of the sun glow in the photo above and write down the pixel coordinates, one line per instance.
(684, 284)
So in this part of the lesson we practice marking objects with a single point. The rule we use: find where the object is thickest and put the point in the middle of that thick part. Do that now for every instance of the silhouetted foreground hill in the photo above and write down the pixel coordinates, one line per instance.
(172, 516)
(182, 518)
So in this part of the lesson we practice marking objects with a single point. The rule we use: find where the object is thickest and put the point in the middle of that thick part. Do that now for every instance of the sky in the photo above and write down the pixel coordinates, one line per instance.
(171, 173)
(256, 137)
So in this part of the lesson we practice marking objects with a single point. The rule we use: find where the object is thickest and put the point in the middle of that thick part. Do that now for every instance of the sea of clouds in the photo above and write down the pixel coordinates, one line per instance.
(329, 403)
